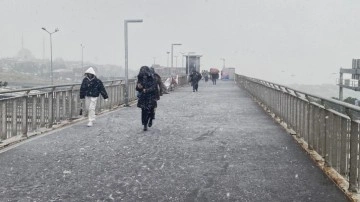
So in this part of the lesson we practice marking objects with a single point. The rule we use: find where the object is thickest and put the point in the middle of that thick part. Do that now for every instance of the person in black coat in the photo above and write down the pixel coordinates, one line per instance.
(90, 89)
(160, 85)
(195, 77)
(147, 97)
(213, 77)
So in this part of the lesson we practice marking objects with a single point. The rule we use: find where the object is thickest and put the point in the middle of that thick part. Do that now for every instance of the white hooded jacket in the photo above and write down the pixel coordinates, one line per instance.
(90, 70)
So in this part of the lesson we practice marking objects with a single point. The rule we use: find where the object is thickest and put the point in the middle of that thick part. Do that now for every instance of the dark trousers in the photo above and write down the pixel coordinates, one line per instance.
(195, 86)
(214, 81)
(146, 115)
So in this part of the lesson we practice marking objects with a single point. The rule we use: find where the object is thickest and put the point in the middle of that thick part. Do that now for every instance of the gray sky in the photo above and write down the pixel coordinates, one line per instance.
(284, 41)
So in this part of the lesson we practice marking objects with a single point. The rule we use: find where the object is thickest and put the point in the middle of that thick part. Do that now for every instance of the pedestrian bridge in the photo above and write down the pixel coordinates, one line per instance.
(242, 140)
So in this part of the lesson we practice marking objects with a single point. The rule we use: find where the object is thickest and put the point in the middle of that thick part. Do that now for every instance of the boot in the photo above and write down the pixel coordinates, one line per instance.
(150, 122)
(145, 127)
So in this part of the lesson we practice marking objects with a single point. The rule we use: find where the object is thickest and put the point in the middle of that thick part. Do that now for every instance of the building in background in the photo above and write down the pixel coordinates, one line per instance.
(228, 73)
(354, 82)
(192, 62)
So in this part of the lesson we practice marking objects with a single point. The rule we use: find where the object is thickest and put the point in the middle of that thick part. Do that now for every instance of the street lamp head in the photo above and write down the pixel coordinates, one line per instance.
(57, 29)
(176, 44)
(134, 20)
(43, 28)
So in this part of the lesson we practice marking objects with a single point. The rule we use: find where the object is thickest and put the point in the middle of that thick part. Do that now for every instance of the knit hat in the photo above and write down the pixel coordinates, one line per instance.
(90, 70)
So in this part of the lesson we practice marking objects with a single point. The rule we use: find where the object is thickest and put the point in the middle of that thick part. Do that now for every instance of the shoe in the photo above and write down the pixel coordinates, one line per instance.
(90, 124)
(150, 122)
(145, 127)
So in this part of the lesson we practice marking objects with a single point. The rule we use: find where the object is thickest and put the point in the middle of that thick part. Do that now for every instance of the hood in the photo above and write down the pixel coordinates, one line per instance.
(90, 71)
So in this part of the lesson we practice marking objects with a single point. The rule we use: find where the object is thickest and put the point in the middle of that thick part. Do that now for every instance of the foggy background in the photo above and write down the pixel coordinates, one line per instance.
(283, 41)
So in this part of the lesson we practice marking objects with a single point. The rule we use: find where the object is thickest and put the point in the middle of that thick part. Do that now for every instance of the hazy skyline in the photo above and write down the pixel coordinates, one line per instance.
(282, 41)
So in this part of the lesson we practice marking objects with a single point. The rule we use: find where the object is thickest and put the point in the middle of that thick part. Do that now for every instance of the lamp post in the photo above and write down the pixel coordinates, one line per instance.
(167, 63)
(172, 52)
(126, 58)
(176, 57)
(51, 63)
(82, 55)
(182, 59)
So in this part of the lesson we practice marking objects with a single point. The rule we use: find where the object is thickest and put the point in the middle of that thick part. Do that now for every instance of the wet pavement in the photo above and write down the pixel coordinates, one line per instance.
(216, 144)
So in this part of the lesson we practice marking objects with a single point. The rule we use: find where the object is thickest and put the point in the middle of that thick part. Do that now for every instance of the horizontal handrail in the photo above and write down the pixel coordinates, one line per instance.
(54, 86)
(334, 101)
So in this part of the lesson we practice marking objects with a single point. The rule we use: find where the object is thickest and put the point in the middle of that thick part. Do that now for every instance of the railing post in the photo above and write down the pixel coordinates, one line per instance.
(313, 125)
(322, 135)
(42, 110)
(51, 108)
(328, 136)
(14, 119)
(34, 113)
(344, 138)
(110, 101)
(64, 106)
(57, 111)
(3, 134)
(307, 120)
(119, 94)
(24, 119)
(354, 141)
(70, 98)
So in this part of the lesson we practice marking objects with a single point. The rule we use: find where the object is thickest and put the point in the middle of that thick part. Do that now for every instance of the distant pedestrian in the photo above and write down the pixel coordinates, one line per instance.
(147, 99)
(214, 77)
(194, 78)
(205, 75)
(90, 89)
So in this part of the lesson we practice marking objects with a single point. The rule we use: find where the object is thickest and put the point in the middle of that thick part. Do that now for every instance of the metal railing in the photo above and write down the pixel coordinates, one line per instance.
(27, 110)
(328, 126)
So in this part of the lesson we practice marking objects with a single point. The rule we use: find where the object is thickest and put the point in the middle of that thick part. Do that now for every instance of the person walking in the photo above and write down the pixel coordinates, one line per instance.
(147, 99)
(195, 77)
(160, 85)
(214, 77)
(160, 88)
(206, 78)
(90, 89)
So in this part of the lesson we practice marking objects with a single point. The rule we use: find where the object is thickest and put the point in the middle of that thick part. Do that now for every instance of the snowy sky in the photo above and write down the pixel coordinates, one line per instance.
(284, 41)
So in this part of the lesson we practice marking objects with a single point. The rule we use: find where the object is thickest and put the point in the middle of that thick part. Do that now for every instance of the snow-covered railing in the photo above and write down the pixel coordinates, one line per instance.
(26, 111)
(328, 126)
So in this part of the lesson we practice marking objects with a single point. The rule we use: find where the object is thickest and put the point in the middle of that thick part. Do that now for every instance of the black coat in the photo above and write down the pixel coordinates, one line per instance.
(159, 86)
(195, 77)
(92, 88)
(148, 98)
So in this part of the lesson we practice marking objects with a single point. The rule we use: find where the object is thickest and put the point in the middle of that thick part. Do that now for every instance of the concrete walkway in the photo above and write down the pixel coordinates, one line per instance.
(212, 145)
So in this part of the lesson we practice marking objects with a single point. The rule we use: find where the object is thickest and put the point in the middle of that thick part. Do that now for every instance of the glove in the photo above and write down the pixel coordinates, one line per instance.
(106, 100)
